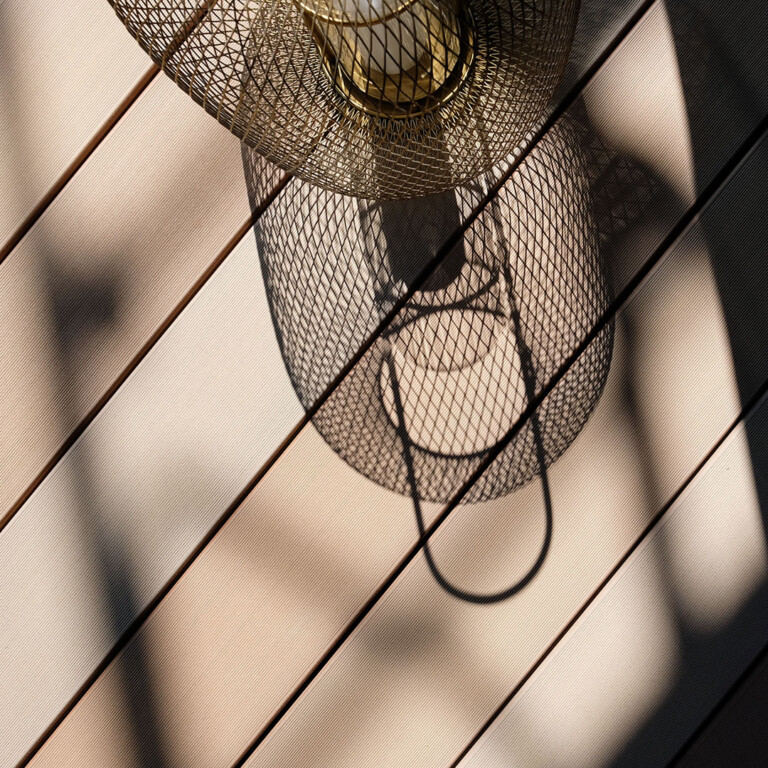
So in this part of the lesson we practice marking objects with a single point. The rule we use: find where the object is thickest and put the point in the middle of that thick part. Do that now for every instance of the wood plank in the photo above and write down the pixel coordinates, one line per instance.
(340, 529)
(63, 77)
(105, 267)
(671, 631)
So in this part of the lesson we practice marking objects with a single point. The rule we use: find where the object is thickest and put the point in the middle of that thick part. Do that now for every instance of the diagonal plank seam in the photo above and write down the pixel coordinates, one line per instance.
(96, 140)
(101, 134)
(111, 122)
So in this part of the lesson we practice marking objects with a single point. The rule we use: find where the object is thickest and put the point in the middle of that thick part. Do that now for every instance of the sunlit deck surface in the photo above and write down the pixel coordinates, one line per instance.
(191, 576)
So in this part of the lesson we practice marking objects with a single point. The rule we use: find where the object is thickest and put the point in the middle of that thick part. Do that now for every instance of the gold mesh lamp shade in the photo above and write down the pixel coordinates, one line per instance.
(372, 98)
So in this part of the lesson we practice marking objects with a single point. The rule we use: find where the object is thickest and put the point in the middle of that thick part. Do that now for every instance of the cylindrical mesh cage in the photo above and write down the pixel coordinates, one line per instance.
(507, 306)
(374, 98)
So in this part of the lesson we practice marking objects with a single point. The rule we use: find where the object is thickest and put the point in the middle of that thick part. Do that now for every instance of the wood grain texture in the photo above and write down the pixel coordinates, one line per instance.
(64, 72)
(293, 597)
(104, 267)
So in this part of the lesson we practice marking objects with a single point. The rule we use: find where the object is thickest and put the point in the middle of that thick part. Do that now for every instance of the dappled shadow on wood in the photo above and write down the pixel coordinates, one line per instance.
(80, 308)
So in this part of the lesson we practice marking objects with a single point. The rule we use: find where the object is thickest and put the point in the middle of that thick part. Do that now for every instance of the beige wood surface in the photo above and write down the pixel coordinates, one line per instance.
(64, 71)
(105, 266)
(700, 567)
(204, 637)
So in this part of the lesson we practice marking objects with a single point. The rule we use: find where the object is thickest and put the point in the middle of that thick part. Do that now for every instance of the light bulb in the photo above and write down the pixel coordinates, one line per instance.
(390, 57)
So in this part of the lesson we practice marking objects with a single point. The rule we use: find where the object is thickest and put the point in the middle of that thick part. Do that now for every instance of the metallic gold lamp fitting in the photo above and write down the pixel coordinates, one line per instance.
(395, 60)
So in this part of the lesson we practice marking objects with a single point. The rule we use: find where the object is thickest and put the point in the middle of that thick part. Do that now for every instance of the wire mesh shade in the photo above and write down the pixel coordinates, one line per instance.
(506, 307)
(373, 98)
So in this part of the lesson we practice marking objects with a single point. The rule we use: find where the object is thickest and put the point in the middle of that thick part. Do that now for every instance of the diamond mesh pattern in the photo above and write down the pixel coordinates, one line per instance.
(380, 99)
(507, 306)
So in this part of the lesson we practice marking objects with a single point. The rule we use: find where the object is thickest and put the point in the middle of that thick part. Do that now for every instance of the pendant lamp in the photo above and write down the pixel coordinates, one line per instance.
(372, 98)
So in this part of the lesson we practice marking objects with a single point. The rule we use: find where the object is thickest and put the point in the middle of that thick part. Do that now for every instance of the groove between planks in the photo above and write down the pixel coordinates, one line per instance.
(53, 115)
(77, 163)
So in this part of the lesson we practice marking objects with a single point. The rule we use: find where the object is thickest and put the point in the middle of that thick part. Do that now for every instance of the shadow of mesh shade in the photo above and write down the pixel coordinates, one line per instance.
(490, 327)
(376, 98)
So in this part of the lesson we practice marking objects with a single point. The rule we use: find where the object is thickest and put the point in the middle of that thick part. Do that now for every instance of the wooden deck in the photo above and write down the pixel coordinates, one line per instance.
(190, 576)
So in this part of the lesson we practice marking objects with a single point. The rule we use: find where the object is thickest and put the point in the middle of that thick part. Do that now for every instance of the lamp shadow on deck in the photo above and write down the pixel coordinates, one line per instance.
(745, 325)
(445, 347)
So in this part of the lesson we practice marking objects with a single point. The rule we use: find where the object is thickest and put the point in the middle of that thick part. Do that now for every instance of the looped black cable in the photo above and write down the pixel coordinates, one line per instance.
(529, 381)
